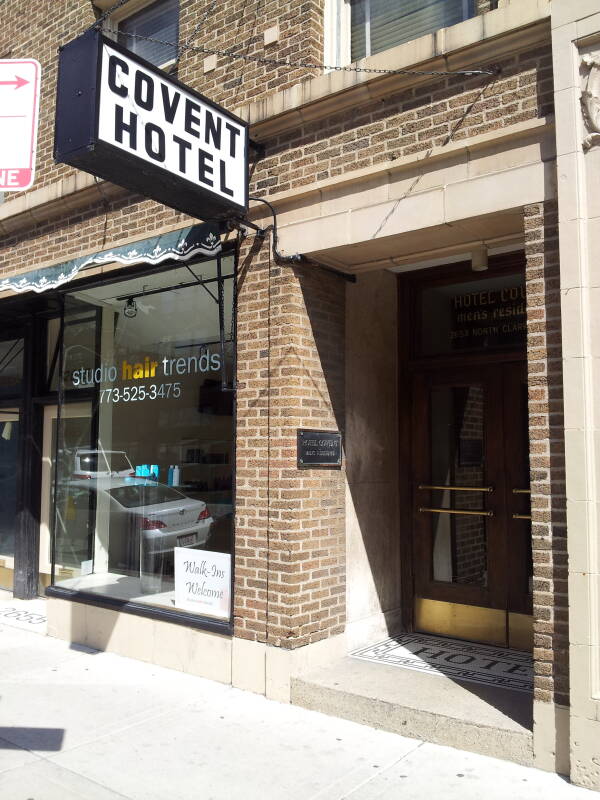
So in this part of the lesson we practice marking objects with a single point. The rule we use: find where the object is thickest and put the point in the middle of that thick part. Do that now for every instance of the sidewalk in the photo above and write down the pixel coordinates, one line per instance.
(76, 724)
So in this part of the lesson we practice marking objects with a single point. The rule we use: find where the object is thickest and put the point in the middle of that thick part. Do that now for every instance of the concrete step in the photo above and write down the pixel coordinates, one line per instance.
(488, 720)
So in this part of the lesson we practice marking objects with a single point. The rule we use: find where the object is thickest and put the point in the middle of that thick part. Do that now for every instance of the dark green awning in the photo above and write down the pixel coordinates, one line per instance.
(181, 245)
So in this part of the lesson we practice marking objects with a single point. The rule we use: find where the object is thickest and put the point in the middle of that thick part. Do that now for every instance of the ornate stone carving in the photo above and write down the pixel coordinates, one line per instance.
(590, 99)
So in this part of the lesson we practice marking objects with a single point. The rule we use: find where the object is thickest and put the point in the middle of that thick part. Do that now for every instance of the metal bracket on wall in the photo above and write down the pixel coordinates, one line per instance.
(258, 148)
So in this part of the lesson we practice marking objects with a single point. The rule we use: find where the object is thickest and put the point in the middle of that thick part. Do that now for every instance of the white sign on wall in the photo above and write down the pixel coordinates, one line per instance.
(203, 582)
(19, 104)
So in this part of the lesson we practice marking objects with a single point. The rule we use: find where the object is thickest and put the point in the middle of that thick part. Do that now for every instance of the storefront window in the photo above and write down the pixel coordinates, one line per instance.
(144, 485)
(11, 367)
(9, 454)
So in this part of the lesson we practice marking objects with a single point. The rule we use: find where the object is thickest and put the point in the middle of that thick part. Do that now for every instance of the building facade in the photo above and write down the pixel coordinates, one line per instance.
(419, 280)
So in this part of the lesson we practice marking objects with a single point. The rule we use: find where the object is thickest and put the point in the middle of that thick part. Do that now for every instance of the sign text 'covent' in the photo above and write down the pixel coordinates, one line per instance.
(122, 119)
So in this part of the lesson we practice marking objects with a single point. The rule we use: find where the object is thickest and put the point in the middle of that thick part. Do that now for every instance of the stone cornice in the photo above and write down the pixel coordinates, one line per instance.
(65, 196)
(534, 128)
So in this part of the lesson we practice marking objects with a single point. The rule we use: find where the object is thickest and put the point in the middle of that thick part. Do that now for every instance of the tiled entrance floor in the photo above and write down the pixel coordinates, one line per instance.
(455, 658)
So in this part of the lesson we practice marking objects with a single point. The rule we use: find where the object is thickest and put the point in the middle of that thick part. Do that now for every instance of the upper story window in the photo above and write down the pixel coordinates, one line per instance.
(158, 20)
(364, 28)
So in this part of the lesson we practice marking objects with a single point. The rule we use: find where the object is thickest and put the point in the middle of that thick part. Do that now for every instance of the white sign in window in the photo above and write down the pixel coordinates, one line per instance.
(203, 582)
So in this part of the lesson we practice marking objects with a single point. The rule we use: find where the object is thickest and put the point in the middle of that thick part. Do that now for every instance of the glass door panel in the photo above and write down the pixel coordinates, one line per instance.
(73, 546)
(472, 537)
(9, 452)
(456, 436)
(518, 505)
(11, 367)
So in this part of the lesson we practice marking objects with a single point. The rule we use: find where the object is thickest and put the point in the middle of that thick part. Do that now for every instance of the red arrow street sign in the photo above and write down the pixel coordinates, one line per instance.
(16, 83)
(18, 122)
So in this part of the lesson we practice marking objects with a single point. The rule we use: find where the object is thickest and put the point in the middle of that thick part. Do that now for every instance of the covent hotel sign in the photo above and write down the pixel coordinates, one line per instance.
(122, 119)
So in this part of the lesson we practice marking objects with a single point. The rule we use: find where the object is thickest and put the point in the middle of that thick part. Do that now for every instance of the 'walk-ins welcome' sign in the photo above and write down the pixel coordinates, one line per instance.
(122, 119)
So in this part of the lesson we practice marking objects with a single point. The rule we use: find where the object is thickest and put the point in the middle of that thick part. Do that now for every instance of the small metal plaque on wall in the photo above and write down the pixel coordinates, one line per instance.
(319, 448)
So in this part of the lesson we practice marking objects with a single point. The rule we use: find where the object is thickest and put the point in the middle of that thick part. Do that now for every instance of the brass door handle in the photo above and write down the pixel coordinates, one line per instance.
(456, 511)
(521, 516)
(458, 488)
(521, 491)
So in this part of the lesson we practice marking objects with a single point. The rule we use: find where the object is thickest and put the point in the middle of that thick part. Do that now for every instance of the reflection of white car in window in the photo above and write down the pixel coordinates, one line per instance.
(146, 518)
(102, 464)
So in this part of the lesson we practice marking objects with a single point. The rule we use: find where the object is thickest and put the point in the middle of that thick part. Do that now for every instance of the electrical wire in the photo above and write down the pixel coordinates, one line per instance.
(188, 43)
(98, 23)
(276, 62)
(294, 259)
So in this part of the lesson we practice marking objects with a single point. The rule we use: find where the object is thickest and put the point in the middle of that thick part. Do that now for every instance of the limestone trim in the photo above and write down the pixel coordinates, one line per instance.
(50, 202)
(575, 31)
(590, 99)
(510, 135)
(77, 190)
(366, 218)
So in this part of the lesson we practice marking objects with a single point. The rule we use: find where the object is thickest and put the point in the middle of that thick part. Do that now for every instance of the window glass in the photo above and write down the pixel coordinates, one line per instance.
(9, 454)
(148, 485)
(11, 367)
(457, 436)
(80, 331)
(159, 21)
(487, 314)
(377, 25)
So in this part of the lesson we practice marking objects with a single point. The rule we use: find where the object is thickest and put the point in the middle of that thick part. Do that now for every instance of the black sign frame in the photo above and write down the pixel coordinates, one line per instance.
(77, 142)
(305, 451)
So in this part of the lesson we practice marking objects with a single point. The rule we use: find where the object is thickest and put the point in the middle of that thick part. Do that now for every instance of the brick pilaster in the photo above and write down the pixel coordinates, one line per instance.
(290, 539)
(547, 460)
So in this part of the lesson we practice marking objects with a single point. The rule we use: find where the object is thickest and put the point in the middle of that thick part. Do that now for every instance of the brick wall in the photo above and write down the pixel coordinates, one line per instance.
(290, 542)
(408, 122)
(290, 571)
(236, 25)
(93, 227)
(239, 26)
(547, 464)
(403, 124)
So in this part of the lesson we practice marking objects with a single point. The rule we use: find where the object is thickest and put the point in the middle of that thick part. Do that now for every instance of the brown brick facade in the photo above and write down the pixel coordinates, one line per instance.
(290, 575)
(547, 459)
(403, 124)
(237, 25)
(290, 542)
(409, 122)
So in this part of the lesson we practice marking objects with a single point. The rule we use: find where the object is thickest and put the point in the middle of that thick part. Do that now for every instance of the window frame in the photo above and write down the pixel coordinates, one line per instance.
(136, 608)
(112, 24)
(337, 29)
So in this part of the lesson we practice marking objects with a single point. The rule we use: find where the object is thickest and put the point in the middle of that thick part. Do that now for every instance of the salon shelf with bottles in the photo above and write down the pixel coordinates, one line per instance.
(206, 472)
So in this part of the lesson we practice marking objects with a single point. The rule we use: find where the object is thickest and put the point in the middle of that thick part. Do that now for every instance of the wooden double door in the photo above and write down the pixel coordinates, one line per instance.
(471, 503)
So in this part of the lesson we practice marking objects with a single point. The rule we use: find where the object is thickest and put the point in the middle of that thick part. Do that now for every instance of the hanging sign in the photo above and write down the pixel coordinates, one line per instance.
(19, 104)
(123, 119)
